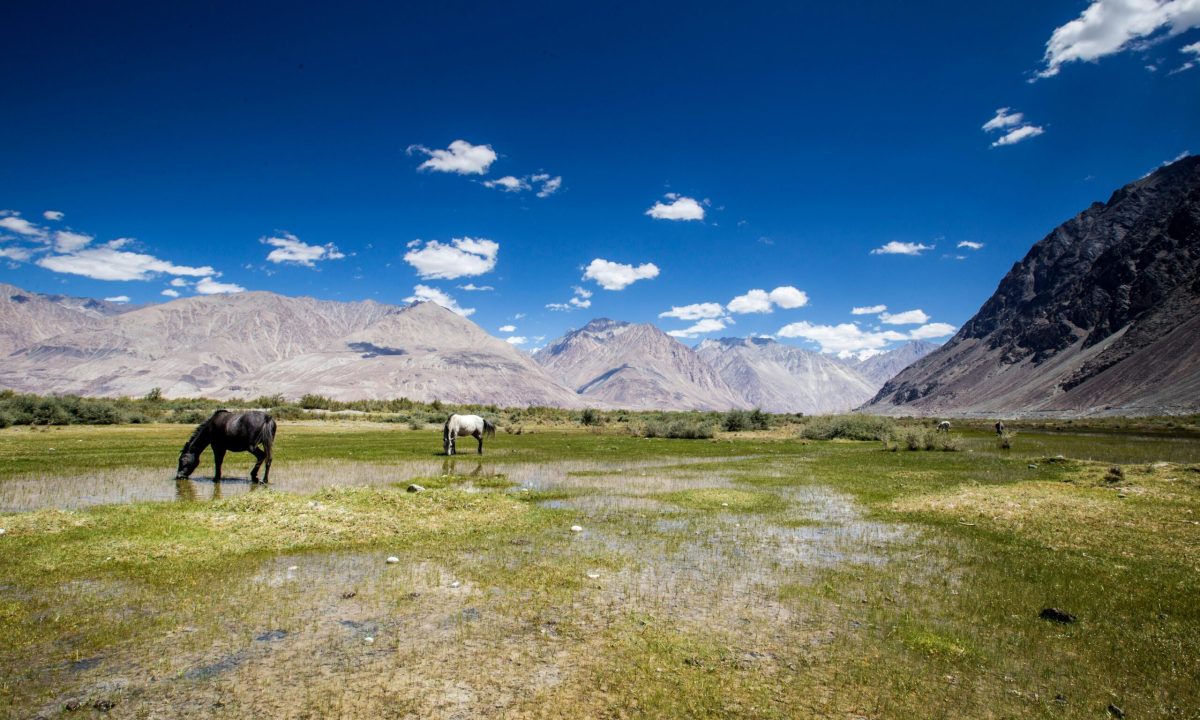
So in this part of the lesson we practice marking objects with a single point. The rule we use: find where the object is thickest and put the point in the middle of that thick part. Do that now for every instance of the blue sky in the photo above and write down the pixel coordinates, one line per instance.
(368, 152)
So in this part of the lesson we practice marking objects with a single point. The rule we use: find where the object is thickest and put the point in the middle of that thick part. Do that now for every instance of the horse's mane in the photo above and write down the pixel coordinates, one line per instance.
(201, 429)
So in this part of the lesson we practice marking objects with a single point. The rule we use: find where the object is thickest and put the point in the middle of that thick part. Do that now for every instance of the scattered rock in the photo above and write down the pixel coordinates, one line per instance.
(71, 705)
(576, 528)
(1032, 466)
(293, 568)
(593, 575)
(104, 705)
(348, 594)
(2, 531)
(1115, 474)
(1060, 699)
(415, 488)
(1056, 615)
(455, 584)
(369, 640)
(1115, 711)
(392, 560)
(413, 595)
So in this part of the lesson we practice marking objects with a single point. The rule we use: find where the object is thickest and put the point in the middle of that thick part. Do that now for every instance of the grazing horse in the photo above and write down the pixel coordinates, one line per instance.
(944, 426)
(999, 427)
(239, 432)
(472, 425)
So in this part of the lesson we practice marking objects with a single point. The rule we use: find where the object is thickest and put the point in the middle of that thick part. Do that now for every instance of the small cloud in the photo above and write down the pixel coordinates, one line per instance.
(707, 325)
(519, 316)
(1003, 120)
(901, 248)
(472, 287)
(788, 297)
(1194, 50)
(461, 157)
(179, 282)
(868, 310)
(208, 286)
(119, 299)
(67, 242)
(843, 338)
(424, 293)
(550, 185)
(1107, 27)
(579, 299)
(617, 276)
(54, 215)
(971, 245)
(761, 301)
(171, 293)
(678, 208)
(108, 263)
(932, 330)
(908, 317)
(289, 249)
(508, 183)
(516, 340)
(18, 254)
(461, 257)
(12, 221)
(1015, 136)
(507, 328)
(696, 311)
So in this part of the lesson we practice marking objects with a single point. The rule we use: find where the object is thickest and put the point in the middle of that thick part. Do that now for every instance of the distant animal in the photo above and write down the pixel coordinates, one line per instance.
(252, 431)
(944, 426)
(999, 427)
(472, 425)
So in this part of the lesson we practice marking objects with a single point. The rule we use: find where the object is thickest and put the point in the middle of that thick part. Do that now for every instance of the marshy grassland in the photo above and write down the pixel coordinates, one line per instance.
(591, 572)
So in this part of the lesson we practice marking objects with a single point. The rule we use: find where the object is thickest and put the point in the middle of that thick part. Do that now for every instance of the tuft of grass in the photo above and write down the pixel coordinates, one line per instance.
(847, 427)
(725, 500)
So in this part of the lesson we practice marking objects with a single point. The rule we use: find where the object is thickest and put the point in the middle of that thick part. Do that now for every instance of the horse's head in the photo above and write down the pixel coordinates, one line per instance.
(188, 461)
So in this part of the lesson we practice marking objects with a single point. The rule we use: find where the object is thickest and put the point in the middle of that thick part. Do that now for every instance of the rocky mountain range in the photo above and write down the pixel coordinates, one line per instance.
(782, 378)
(637, 366)
(1101, 317)
(260, 343)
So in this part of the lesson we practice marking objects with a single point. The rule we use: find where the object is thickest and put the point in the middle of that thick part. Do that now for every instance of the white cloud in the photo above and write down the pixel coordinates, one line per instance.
(679, 208)
(788, 297)
(1107, 27)
(843, 338)
(901, 248)
(119, 299)
(53, 215)
(13, 221)
(67, 242)
(704, 326)
(461, 257)
(579, 299)
(696, 311)
(461, 157)
(617, 276)
(932, 330)
(290, 249)
(209, 286)
(1013, 137)
(516, 340)
(472, 287)
(171, 293)
(1193, 49)
(12, 252)
(909, 317)
(508, 183)
(424, 293)
(755, 301)
(108, 263)
(971, 245)
(1003, 119)
(868, 310)
(507, 328)
(550, 185)
(179, 282)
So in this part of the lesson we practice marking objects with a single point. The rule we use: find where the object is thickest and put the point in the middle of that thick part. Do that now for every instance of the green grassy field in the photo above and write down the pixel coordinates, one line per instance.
(750, 575)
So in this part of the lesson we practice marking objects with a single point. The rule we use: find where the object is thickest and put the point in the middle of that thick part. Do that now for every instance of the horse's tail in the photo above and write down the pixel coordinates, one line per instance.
(266, 433)
(489, 428)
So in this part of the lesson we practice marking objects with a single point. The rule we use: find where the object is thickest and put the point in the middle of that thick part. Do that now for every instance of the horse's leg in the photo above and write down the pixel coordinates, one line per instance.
(479, 437)
(218, 458)
(453, 438)
(269, 452)
(258, 455)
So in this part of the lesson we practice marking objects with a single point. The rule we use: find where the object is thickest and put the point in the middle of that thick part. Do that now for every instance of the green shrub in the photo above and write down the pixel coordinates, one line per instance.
(288, 412)
(589, 417)
(677, 429)
(735, 421)
(912, 437)
(759, 420)
(315, 402)
(267, 401)
(848, 427)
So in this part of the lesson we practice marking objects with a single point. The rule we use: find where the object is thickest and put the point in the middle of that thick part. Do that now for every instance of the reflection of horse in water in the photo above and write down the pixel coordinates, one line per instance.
(472, 425)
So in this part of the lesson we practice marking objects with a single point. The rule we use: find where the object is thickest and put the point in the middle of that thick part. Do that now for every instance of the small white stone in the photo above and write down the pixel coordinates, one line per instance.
(455, 584)
(392, 560)
(593, 575)
(576, 528)
(2, 531)
(724, 504)
(368, 639)
(293, 568)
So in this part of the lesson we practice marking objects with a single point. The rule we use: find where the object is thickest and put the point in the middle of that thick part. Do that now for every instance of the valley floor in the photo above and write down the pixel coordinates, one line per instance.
(595, 574)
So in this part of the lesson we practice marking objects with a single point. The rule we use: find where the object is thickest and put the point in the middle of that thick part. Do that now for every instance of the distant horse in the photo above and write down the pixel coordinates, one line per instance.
(944, 426)
(999, 427)
(239, 432)
(472, 425)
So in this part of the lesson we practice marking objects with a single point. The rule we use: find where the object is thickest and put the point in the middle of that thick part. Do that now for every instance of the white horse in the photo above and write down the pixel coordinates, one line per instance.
(472, 425)
(944, 426)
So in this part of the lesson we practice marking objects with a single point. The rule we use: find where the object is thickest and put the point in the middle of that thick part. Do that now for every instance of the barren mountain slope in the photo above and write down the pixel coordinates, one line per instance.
(1100, 318)
(885, 366)
(187, 347)
(424, 352)
(635, 366)
(27, 317)
(782, 378)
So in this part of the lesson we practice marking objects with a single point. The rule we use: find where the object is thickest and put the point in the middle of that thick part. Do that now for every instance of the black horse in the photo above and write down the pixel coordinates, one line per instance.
(239, 432)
